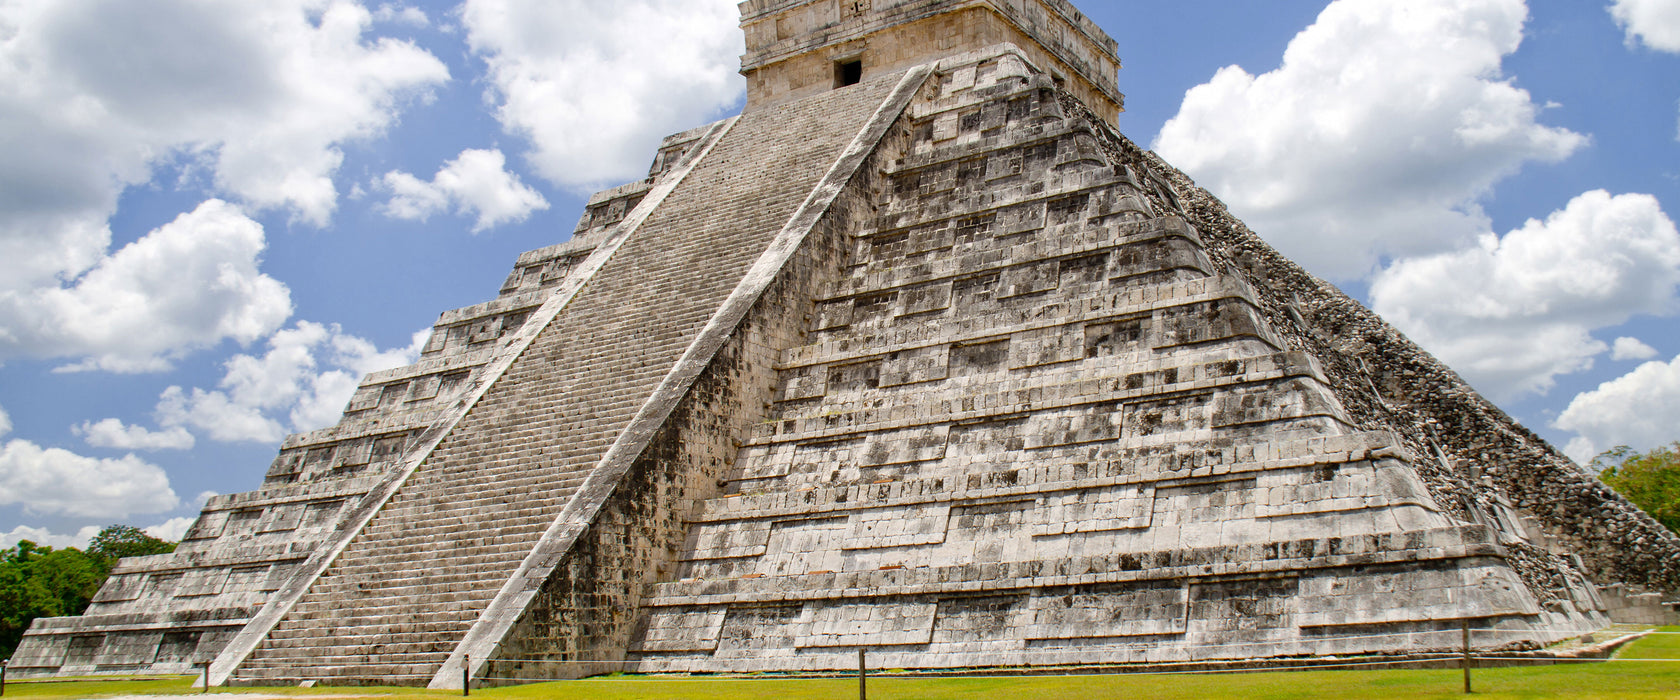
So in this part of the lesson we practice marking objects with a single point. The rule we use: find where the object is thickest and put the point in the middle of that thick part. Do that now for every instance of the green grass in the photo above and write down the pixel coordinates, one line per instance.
(1622, 679)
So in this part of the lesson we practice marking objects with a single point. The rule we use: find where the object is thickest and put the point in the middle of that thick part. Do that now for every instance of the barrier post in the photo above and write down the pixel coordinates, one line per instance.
(863, 692)
(206, 677)
(466, 675)
(3, 664)
(1466, 662)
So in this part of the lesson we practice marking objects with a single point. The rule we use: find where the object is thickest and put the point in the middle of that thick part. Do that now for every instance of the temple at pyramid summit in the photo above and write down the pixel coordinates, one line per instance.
(916, 355)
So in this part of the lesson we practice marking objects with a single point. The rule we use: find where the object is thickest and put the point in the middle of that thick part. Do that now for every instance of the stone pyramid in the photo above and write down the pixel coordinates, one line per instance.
(919, 355)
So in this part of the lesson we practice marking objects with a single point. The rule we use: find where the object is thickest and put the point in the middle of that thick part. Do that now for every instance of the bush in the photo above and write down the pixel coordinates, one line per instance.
(1650, 479)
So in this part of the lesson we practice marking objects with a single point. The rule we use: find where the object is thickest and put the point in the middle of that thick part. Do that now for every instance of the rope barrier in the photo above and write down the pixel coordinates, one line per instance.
(837, 676)
(1303, 666)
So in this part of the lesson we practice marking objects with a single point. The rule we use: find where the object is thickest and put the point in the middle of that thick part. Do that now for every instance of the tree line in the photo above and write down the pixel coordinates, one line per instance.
(1650, 479)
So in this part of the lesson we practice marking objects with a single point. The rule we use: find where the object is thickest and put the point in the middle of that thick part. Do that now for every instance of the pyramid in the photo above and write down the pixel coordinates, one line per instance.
(918, 354)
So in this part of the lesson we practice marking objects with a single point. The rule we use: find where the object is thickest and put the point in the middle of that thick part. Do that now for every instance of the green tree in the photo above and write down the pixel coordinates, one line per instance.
(37, 581)
(118, 541)
(1650, 479)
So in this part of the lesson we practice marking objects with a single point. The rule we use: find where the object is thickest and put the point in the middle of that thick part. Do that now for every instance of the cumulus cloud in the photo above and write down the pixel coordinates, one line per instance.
(5, 423)
(263, 92)
(1639, 409)
(1631, 349)
(476, 182)
(187, 284)
(171, 530)
(56, 481)
(111, 432)
(302, 382)
(255, 99)
(42, 536)
(401, 14)
(1654, 23)
(1510, 317)
(1374, 138)
(596, 85)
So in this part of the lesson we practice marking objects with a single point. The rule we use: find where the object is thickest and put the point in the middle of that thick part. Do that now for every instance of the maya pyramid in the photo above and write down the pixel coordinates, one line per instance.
(918, 355)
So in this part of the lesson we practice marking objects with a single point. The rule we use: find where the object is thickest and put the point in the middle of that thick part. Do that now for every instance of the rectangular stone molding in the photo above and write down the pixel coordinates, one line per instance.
(758, 631)
(915, 366)
(902, 446)
(726, 540)
(897, 526)
(682, 630)
(1129, 507)
(869, 625)
(1109, 610)
(1045, 346)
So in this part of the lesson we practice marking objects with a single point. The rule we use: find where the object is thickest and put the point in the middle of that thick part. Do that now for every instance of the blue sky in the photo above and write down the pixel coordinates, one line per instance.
(215, 216)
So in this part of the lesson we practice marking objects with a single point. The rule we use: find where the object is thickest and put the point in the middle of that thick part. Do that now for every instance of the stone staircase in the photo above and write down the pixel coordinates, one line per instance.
(413, 582)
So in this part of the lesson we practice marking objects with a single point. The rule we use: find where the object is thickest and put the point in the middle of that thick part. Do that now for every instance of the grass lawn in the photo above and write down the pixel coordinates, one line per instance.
(1629, 679)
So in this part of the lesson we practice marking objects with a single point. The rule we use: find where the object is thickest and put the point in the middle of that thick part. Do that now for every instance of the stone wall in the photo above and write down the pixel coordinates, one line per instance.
(792, 47)
(1478, 462)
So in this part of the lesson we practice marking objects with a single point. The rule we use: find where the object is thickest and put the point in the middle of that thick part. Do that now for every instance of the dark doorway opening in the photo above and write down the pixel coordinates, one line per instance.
(848, 72)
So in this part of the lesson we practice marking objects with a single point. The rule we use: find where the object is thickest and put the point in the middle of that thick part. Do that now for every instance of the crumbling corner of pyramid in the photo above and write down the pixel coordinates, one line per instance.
(1478, 462)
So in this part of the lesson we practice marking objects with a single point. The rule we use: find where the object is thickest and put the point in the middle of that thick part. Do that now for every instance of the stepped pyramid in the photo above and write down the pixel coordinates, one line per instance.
(919, 355)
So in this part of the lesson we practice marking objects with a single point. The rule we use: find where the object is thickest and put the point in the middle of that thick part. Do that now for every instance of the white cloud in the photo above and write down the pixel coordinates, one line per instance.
(1374, 139)
(1631, 349)
(1655, 23)
(259, 397)
(187, 284)
(42, 536)
(1640, 409)
(254, 99)
(52, 480)
(262, 92)
(111, 432)
(1510, 317)
(401, 14)
(596, 85)
(213, 413)
(475, 182)
(5, 423)
(171, 530)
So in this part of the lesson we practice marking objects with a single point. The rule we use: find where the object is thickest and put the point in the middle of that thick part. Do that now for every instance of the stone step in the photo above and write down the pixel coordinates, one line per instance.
(438, 591)
(409, 631)
(360, 648)
(432, 585)
(370, 673)
(409, 514)
(506, 482)
(424, 633)
(516, 458)
(371, 567)
(516, 530)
